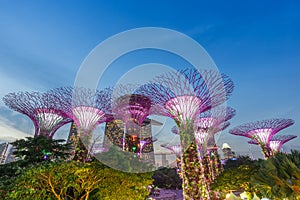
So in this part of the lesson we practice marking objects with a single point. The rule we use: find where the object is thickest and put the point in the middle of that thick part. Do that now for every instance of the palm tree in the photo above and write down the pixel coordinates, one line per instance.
(279, 177)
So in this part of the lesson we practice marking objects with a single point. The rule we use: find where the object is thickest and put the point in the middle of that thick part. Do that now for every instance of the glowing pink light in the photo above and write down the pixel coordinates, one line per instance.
(132, 107)
(201, 137)
(88, 117)
(205, 123)
(276, 142)
(261, 135)
(184, 108)
(143, 143)
(48, 119)
(275, 145)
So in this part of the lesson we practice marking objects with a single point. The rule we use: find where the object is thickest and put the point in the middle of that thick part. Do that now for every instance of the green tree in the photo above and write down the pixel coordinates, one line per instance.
(279, 177)
(124, 161)
(236, 176)
(29, 153)
(167, 178)
(39, 149)
(80, 181)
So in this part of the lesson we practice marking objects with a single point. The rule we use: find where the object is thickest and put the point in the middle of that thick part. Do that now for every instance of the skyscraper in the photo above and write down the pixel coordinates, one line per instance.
(134, 138)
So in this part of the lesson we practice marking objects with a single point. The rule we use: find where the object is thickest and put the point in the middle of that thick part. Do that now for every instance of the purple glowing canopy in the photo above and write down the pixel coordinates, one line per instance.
(203, 136)
(210, 122)
(276, 142)
(44, 109)
(86, 107)
(90, 108)
(187, 93)
(132, 107)
(216, 119)
(262, 131)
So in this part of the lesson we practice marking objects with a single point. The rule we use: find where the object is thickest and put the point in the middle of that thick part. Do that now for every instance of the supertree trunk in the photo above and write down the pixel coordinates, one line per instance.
(183, 96)
(194, 180)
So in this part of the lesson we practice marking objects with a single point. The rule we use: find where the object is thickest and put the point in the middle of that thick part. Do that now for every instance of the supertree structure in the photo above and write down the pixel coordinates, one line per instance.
(88, 108)
(276, 142)
(44, 109)
(211, 122)
(220, 117)
(184, 95)
(212, 155)
(206, 126)
(262, 132)
(211, 140)
(132, 108)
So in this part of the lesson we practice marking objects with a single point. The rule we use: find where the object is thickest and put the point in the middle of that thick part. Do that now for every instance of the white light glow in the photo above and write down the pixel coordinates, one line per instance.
(275, 145)
(88, 117)
(201, 136)
(48, 119)
(184, 108)
(261, 135)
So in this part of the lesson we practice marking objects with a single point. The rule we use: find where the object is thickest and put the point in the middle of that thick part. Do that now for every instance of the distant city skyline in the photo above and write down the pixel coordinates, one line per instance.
(257, 44)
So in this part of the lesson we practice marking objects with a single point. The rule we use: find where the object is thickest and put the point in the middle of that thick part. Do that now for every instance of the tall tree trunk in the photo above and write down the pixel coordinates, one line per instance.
(195, 184)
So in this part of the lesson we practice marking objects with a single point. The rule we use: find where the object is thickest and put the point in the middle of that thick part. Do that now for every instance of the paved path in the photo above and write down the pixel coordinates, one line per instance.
(168, 195)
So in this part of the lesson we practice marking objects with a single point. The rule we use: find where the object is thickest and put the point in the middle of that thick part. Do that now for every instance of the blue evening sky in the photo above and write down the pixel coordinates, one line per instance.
(256, 43)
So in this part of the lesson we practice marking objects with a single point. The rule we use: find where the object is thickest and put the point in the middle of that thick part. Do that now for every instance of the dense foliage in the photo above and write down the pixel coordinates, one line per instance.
(76, 180)
(276, 178)
(279, 177)
(40, 149)
(124, 161)
(167, 178)
(42, 172)
(29, 153)
(236, 176)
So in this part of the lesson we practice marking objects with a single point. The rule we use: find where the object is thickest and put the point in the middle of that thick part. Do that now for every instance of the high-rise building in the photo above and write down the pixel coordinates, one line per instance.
(73, 133)
(227, 152)
(132, 138)
(6, 153)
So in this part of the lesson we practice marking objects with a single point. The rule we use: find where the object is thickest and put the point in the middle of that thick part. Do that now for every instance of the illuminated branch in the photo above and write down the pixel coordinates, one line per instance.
(276, 142)
(183, 95)
(210, 122)
(87, 108)
(132, 108)
(262, 131)
(44, 109)
(145, 142)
